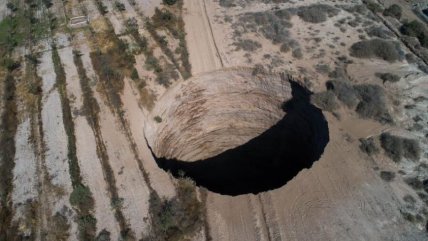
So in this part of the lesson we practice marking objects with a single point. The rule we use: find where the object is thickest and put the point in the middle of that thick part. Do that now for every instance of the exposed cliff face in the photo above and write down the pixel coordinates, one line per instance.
(208, 114)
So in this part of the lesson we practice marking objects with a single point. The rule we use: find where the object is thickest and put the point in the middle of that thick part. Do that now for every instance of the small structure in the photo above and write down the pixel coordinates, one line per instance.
(79, 21)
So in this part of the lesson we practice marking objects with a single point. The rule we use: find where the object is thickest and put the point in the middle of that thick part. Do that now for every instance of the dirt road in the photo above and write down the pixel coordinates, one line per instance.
(204, 55)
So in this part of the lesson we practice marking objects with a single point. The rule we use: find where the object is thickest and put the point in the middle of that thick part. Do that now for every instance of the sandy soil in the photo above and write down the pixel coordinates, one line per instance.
(25, 176)
(203, 54)
(159, 180)
(342, 194)
(55, 139)
(89, 162)
(3, 10)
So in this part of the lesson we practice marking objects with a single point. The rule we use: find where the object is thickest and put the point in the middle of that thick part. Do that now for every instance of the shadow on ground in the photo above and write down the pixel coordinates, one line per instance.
(268, 161)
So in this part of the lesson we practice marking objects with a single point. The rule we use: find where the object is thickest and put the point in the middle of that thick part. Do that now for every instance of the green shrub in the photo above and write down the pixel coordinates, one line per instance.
(393, 11)
(81, 197)
(416, 29)
(376, 48)
(169, 2)
(12, 7)
(134, 74)
(175, 218)
(158, 119)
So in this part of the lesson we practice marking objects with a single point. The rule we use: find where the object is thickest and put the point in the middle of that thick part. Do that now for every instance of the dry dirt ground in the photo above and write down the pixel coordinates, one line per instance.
(83, 96)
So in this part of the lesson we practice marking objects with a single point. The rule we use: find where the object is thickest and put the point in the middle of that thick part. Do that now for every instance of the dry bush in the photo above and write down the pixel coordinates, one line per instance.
(377, 48)
(372, 103)
(368, 146)
(176, 218)
(297, 53)
(247, 45)
(388, 77)
(398, 147)
(344, 92)
(416, 29)
(325, 100)
(379, 32)
(317, 13)
(394, 11)
(272, 26)
(387, 176)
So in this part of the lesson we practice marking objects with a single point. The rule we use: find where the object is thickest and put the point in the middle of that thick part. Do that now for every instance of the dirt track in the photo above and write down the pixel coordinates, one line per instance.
(204, 55)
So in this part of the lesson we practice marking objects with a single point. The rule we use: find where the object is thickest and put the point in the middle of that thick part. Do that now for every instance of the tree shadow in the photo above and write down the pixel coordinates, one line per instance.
(269, 160)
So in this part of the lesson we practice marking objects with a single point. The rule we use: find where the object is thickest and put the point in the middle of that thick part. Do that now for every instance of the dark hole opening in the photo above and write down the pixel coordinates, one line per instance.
(269, 160)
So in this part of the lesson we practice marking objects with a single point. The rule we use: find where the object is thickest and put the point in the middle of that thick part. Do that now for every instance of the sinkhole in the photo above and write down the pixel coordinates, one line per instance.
(237, 131)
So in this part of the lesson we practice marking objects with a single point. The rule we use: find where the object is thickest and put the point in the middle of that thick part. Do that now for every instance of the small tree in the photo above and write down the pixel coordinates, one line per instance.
(393, 11)
(169, 2)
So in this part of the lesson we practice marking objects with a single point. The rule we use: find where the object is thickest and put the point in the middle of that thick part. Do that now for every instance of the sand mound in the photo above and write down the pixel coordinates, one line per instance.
(216, 111)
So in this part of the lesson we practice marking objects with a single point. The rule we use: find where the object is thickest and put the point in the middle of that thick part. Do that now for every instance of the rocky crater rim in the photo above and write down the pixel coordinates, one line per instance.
(214, 112)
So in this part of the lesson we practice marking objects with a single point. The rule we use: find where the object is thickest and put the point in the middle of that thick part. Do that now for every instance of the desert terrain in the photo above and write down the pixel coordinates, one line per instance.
(213, 120)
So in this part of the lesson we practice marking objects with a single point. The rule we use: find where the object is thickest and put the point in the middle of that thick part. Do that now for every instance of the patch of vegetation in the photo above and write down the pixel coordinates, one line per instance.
(272, 26)
(398, 147)
(176, 218)
(416, 29)
(81, 197)
(414, 182)
(377, 48)
(119, 6)
(158, 119)
(172, 21)
(11, 6)
(227, 3)
(8, 127)
(104, 235)
(379, 32)
(372, 103)
(317, 13)
(111, 66)
(387, 176)
(368, 146)
(325, 100)
(388, 77)
(344, 91)
(101, 7)
(247, 45)
(372, 6)
(393, 11)
(60, 231)
(91, 111)
(297, 53)
(169, 2)
(368, 100)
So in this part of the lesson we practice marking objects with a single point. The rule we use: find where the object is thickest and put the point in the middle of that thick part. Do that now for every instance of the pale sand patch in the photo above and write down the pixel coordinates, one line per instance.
(25, 178)
(55, 139)
(129, 180)
(159, 179)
